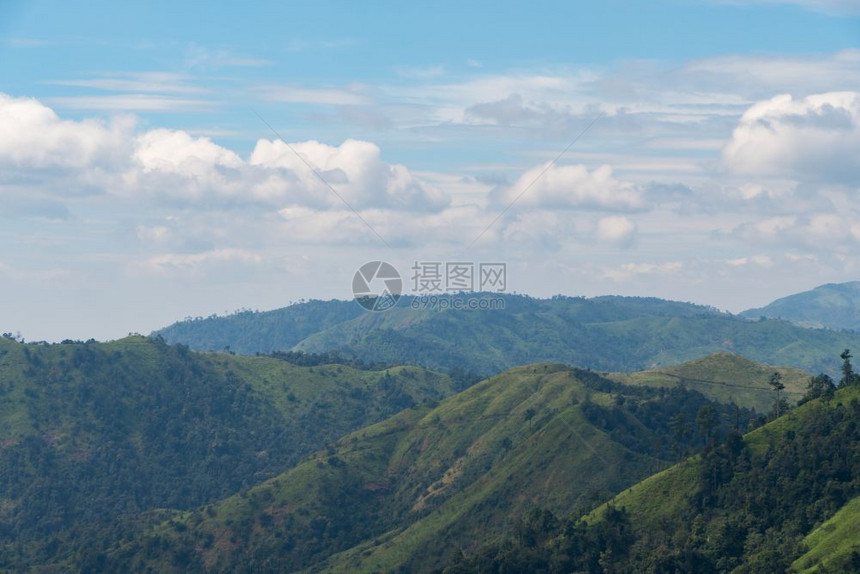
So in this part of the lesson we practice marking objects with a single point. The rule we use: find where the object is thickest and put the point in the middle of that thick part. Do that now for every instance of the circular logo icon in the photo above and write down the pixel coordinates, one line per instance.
(377, 286)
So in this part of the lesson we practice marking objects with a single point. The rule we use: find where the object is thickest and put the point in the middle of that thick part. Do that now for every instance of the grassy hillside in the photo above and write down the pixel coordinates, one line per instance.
(414, 490)
(834, 306)
(92, 432)
(603, 333)
(834, 546)
(782, 497)
(725, 377)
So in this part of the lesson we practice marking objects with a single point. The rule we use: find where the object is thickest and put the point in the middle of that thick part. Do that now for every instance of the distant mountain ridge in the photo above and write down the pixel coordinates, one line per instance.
(831, 306)
(607, 333)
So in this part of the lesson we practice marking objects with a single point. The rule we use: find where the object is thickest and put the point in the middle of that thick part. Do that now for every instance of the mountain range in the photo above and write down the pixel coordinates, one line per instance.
(602, 333)
(406, 493)
(140, 456)
(320, 449)
(510, 475)
(834, 306)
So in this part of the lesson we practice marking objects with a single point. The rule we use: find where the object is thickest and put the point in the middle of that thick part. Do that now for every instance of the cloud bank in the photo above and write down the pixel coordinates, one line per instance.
(114, 158)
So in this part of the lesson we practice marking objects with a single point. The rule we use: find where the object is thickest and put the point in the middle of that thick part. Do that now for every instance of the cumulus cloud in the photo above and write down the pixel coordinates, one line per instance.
(572, 187)
(816, 138)
(616, 230)
(112, 158)
(178, 152)
(33, 136)
(356, 170)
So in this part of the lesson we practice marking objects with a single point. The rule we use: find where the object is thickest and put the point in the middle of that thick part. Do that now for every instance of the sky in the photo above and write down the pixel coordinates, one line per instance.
(162, 160)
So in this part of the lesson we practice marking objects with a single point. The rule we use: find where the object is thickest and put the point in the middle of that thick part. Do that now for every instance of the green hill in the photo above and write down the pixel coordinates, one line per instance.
(834, 306)
(250, 332)
(781, 498)
(834, 545)
(603, 333)
(726, 378)
(409, 493)
(92, 432)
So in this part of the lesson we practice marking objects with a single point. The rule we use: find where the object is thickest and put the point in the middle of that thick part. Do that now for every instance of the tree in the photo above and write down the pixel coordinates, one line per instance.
(848, 376)
(776, 383)
(681, 430)
(819, 386)
(707, 420)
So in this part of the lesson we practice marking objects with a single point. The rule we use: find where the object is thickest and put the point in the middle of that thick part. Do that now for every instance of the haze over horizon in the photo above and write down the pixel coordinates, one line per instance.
(712, 152)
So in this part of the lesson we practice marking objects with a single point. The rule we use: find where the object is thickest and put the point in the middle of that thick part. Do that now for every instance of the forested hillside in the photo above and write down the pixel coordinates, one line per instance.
(138, 455)
(410, 492)
(781, 498)
(91, 432)
(834, 306)
(602, 333)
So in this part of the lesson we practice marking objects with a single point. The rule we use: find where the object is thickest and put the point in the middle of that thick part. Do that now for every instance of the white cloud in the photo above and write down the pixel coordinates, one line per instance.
(616, 230)
(178, 152)
(629, 270)
(753, 75)
(769, 229)
(816, 138)
(454, 226)
(690, 104)
(355, 169)
(534, 230)
(33, 136)
(198, 262)
(172, 164)
(823, 232)
(571, 187)
(514, 111)
(760, 260)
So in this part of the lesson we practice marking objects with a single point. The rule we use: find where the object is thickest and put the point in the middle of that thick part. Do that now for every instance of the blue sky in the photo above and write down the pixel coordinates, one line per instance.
(139, 184)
